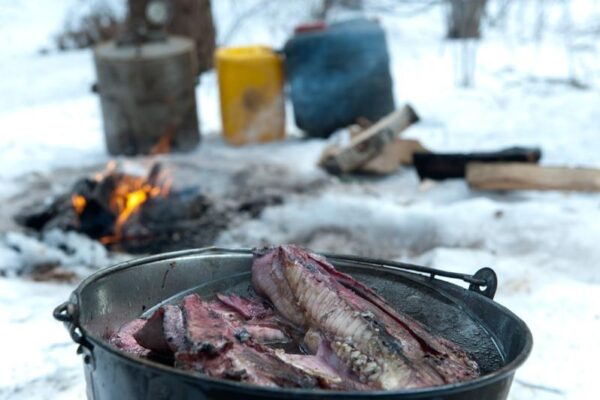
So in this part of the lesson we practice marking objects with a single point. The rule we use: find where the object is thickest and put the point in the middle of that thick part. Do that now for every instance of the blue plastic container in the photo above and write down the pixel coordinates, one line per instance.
(337, 75)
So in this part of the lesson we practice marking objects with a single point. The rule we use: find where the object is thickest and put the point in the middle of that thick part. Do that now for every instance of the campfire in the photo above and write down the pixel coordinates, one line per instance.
(143, 213)
(126, 195)
(131, 212)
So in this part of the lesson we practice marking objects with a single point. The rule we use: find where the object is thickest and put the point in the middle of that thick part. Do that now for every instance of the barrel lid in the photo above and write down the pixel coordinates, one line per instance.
(173, 45)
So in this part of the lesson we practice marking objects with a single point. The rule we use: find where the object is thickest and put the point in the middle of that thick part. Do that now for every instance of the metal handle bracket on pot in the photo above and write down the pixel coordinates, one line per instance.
(491, 282)
(68, 313)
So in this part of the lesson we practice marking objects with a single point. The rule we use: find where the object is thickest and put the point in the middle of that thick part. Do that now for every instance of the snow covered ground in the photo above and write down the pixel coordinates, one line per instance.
(542, 245)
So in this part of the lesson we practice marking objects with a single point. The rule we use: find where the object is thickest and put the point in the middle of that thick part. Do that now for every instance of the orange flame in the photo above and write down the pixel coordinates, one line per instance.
(133, 201)
(165, 142)
(79, 203)
(129, 194)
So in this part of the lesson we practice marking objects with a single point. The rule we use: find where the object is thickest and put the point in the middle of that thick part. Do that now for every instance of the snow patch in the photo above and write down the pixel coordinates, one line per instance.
(21, 254)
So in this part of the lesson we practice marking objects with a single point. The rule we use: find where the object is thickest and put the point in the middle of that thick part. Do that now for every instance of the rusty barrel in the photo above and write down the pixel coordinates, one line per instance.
(147, 94)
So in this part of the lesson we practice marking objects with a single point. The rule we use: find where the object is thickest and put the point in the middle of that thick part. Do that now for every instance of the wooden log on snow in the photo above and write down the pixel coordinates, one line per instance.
(369, 143)
(522, 176)
(439, 166)
(396, 153)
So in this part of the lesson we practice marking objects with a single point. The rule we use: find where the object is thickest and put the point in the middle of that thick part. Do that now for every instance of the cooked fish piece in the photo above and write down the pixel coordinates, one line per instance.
(248, 308)
(220, 347)
(384, 348)
(124, 339)
(163, 332)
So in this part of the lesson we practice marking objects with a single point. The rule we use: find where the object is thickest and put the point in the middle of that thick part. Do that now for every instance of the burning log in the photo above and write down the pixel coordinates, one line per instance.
(105, 204)
(142, 214)
(129, 212)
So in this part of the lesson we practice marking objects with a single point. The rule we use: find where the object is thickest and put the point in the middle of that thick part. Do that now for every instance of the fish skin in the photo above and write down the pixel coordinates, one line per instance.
(268, 280)
(449, 358)
(248, 308)
(220, 342)
(369, 299)
(216, 348)
(173, 327)
(125, 340)
(163, 332)
(385, 349)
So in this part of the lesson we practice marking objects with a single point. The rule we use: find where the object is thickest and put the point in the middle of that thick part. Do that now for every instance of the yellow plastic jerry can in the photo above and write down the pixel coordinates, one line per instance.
(251, 92)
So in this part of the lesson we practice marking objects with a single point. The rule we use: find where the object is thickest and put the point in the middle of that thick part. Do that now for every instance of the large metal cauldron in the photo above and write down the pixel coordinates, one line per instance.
(498, 339)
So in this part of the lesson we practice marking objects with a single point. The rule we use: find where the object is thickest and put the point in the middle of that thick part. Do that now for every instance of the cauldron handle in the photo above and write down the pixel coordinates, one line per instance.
(484, 281)
(484, 278)
(68, 313)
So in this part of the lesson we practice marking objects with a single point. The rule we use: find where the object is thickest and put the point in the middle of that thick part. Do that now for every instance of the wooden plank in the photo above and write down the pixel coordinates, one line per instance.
(369, 143)
(523, 176)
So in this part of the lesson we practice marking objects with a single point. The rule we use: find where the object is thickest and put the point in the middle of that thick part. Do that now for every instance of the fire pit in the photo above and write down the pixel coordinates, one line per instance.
(498, 340)
(142, 213)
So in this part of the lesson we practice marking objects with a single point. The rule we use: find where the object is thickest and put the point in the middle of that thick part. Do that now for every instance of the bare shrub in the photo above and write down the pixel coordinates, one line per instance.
(83, 30)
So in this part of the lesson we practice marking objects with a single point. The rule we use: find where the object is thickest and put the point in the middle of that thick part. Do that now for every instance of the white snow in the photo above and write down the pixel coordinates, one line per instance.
(542, 245)
(23, 254)
(39, 360)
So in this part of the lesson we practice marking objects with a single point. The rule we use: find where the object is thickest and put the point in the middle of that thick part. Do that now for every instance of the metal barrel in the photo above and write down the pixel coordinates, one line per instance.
(147, 94)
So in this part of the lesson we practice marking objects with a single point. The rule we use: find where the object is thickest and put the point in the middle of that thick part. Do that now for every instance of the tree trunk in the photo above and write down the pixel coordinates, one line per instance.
(464, 19)
(329, 4)
(193, 18)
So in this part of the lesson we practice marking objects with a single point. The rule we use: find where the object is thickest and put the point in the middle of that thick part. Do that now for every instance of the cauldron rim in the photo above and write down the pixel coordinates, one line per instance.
(502, 373)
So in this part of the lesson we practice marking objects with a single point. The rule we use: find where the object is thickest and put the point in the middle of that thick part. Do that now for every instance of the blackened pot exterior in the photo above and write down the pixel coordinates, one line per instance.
(111, 297)
(111, 378)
